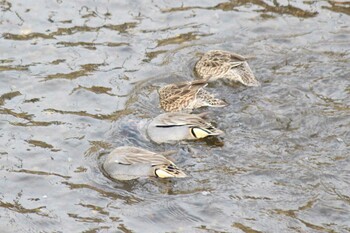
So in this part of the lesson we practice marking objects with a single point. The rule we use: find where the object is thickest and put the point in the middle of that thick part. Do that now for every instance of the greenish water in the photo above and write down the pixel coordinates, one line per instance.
(76, 76)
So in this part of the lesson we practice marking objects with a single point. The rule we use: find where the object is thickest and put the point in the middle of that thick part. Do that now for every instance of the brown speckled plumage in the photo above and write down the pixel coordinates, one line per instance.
(217, 64)
(187, 95)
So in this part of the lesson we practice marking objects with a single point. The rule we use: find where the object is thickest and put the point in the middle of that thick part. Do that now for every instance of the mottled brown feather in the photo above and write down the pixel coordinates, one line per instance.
(217, 64)
(186, 95)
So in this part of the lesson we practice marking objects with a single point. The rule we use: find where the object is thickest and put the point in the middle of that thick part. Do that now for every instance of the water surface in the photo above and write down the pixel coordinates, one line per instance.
(76, 76)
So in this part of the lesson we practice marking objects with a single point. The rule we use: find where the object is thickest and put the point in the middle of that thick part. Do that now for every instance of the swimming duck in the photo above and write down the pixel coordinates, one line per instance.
(176, 126)
(232, 67)
(127, 163)
(187, 95)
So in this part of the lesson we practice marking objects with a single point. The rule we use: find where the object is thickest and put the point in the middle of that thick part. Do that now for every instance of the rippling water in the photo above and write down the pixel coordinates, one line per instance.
(77, 76)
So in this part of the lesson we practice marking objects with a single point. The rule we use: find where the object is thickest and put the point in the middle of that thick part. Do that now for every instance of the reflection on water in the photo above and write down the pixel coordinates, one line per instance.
(265, 7)
(78, 78)
(338, 6)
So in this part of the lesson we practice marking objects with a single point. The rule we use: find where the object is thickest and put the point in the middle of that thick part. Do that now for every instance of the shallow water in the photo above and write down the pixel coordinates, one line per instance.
(76, 76)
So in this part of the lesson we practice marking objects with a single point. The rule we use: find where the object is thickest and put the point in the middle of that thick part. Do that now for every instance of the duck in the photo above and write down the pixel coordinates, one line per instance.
(187, 96)
(231, 67)
(128, 163)
(176, 126)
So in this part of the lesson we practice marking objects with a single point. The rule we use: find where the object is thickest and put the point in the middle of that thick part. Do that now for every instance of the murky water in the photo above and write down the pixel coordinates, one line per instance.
(77, 76)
